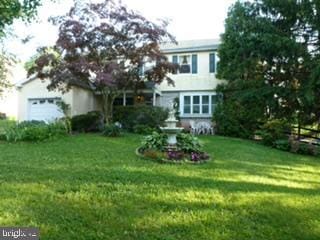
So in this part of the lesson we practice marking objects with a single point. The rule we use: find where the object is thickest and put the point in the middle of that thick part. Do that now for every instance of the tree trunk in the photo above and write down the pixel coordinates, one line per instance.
(107, 106)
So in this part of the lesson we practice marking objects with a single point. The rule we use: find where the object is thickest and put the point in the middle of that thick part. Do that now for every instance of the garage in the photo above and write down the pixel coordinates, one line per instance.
(44, 109)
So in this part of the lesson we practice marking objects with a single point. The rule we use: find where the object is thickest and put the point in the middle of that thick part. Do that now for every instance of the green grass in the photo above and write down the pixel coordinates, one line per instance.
(90, 187)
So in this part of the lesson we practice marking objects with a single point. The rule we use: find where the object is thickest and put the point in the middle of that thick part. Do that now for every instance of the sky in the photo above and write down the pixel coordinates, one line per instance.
(200, 19)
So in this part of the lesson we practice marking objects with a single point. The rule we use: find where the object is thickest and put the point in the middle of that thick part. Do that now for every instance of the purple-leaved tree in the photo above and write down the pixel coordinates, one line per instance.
(104, 45)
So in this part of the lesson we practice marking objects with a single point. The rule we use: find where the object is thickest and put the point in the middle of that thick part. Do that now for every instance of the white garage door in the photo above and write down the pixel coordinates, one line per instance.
(44, 109)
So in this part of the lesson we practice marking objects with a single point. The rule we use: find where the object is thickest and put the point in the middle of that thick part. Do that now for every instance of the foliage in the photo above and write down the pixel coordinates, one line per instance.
(66, 184)
(65, 109)
(304, 148)
(13, 9)
(282, 144)
(188, 143)
(103, 45)
(90, 122)
(156, 141)
(274, 130)
(232, 119)
(133, 117)
(4, 124)
(10, 10)
(269, 57)
(5, 61)
(175, 155)
(143, 129)
(153, 154)
(111, 130)
(33, 131)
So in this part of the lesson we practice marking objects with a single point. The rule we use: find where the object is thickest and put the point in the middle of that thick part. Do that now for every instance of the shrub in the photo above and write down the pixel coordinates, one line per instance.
(273, 131)
(143, 129)
(13, 134)
(133, 117)
(282, 144)
(90, 122)
(4, 124)
(304, 148)
(188, 143)
(33, 131)
(111, 130)
(33, 123)
(233, 120)
(58, 128)
(156, 141)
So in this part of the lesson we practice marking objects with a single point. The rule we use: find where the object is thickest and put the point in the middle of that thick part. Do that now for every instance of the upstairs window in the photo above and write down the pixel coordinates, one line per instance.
(187, 63)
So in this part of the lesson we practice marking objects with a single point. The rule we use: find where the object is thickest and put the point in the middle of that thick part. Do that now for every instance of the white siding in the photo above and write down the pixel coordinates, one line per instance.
(81, 101)
(202, 81)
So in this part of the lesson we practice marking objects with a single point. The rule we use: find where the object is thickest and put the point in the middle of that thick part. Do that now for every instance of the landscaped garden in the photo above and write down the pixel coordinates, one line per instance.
(93, 187)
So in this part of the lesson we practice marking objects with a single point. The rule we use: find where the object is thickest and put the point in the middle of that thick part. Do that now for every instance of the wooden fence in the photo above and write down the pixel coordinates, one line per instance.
(307, 134)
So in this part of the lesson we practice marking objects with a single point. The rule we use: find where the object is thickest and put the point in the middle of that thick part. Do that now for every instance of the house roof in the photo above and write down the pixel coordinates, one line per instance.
(72, 81)
(191, 46)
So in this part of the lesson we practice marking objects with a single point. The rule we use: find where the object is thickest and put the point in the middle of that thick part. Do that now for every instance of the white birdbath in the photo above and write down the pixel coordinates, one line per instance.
(171, 128)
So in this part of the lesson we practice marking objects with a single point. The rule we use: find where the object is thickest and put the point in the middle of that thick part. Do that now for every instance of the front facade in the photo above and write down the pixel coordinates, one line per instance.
(194, 85)
(195, 80)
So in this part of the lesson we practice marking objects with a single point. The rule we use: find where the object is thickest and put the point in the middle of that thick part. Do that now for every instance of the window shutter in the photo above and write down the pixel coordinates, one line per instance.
(175, 61)
(212, 64)
(194, 64)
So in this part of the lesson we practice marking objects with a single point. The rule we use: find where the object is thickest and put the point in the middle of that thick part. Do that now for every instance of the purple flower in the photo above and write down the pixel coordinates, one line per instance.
(195, 157)
(175, 155)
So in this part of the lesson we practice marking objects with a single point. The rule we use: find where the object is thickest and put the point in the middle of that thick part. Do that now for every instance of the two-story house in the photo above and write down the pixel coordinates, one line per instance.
(194, 87)
(195, 81)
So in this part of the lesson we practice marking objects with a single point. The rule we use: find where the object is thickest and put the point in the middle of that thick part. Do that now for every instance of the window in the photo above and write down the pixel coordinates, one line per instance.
(187, 105)
(187, 63)
(184, 62)
(205, 104)
(198, 104)
(212, 62)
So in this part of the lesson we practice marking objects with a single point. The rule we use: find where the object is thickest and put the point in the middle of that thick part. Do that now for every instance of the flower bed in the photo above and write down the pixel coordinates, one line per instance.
(187, 150)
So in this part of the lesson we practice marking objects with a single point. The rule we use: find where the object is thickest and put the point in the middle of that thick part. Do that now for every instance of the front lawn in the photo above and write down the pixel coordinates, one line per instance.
(90, 187)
